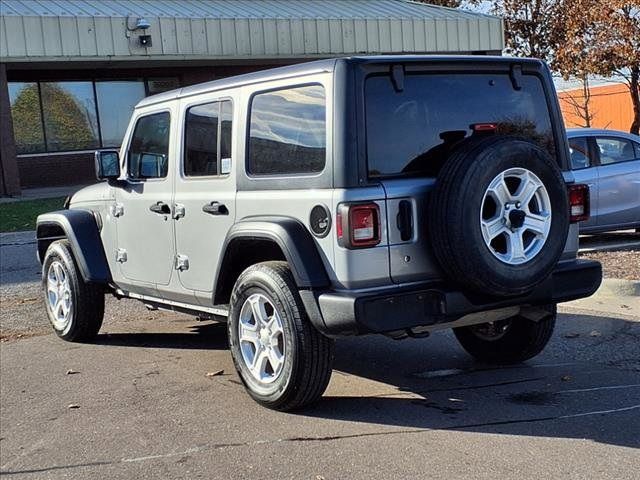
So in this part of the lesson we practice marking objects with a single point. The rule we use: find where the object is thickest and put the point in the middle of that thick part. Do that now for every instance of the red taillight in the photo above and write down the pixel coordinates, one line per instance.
(579, 202)
(361, 223)
(484, 127)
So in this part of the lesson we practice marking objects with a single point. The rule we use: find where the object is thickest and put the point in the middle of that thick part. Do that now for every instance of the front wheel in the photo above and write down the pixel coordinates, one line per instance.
(283, 361)
(512, 340)
(75, 308)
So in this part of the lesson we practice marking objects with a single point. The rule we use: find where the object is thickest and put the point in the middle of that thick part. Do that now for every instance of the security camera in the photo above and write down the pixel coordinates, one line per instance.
(142, 24)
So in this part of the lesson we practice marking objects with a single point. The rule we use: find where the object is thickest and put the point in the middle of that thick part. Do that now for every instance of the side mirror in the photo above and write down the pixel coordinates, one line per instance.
(107, 165)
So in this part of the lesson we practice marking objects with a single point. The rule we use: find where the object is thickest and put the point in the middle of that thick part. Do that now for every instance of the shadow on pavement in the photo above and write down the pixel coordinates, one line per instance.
(204, 336)
(582, 387)
(576, 389)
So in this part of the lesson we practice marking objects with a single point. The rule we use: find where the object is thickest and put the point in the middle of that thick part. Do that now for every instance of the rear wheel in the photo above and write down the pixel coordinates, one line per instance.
(283, 361)
(512, 340)
(75, 308)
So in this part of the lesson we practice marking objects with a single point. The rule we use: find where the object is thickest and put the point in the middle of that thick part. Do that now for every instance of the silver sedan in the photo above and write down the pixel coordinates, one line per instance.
(609, 162)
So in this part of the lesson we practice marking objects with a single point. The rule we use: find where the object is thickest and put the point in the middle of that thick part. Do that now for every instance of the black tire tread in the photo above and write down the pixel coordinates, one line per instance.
(524, 340)
(444, 228)
(88, 300)
(312, 373)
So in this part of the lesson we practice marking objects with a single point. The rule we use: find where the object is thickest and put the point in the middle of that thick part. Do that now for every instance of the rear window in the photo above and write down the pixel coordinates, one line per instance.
(410, 132)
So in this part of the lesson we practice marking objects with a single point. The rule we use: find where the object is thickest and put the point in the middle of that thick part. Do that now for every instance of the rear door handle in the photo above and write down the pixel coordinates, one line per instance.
(215, 208)
(404, 220)
(161, 208)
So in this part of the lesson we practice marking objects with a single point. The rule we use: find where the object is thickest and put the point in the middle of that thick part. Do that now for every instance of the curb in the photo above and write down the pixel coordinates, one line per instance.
(612, 247)
(8, 239)
(617, 287)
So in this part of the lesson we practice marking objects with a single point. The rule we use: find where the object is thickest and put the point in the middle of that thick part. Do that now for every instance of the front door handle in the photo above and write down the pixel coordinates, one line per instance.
(161, 208)
(215, 208)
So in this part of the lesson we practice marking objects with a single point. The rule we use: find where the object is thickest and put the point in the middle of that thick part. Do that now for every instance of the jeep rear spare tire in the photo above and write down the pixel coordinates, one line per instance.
(498, 217)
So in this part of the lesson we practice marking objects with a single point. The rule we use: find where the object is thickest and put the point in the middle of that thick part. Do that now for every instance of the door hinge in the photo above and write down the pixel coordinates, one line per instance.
(182, 263)
(178, 211)
(117, 210)
(121, 255)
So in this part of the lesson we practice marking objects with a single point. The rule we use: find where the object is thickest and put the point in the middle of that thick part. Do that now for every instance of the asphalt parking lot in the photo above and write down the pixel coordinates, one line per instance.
(157, 397)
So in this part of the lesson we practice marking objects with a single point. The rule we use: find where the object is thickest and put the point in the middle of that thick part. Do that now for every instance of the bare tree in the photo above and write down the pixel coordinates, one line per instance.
(579, 103)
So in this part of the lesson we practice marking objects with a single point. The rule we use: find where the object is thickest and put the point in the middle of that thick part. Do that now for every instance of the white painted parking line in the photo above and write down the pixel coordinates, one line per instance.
(593, 389)
(601, 412)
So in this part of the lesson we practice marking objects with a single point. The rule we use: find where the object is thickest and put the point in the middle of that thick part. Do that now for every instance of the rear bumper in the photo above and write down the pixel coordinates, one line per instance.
(393, 309)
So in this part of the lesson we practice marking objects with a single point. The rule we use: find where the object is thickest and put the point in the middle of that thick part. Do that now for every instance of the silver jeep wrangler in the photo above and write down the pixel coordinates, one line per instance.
(392, 194)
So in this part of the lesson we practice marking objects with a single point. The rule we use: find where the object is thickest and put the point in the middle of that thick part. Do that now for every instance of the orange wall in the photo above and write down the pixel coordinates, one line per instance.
(609, 104)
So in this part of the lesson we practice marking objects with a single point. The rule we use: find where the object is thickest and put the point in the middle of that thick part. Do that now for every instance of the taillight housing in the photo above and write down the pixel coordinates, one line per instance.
(358, 225)
(579, 205)
(484, 127)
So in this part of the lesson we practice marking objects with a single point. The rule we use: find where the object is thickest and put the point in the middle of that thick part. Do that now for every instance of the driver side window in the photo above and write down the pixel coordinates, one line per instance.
(148, 152)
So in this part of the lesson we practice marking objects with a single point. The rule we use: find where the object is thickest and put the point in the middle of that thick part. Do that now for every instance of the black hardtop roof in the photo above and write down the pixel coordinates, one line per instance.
(320, 66)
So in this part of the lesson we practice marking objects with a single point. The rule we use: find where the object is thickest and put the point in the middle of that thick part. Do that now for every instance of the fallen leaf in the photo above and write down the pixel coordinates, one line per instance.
(71, 372)
(215, 374)
(565, 378)
(595, 333)
(572, 335)
(624, 306)
(22, 301)
(73, 405)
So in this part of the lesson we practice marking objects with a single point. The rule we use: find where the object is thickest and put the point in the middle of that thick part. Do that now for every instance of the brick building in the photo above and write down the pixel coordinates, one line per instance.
(71, 72)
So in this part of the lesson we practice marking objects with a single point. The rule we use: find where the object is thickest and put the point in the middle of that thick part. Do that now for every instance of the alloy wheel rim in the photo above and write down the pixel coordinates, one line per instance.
(515, 218)
(59, 295)
(491, 331)
(261, 338)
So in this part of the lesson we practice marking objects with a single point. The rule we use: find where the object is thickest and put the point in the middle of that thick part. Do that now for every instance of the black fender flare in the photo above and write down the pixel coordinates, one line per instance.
(294, 240)
(80, 228)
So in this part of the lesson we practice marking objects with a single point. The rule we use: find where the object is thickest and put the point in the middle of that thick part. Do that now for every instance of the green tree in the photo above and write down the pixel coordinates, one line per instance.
(67, 124)
(27, 122)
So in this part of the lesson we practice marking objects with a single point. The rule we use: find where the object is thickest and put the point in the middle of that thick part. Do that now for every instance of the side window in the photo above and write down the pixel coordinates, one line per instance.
(207, 139)
(579, 150)
(287, 133)
(614, 150)
(149, 148)
(637, 147)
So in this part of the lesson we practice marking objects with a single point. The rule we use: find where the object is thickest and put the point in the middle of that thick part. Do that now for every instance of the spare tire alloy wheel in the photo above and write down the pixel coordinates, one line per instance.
(498, 216)
(515, 226)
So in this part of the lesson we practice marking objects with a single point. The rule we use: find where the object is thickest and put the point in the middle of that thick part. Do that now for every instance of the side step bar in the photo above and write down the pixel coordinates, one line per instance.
(163, 304)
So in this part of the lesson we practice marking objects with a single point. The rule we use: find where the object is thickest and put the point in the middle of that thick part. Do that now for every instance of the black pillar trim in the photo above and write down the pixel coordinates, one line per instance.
(9, 174)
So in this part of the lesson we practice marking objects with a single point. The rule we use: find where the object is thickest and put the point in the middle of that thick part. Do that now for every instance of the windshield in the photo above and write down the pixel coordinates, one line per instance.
(411, 132)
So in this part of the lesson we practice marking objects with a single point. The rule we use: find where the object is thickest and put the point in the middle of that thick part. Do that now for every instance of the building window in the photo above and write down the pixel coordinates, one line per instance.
(208, 139)
(116, 100)
(27, 117)
(159, 85)
(76, 115)
(288, 132)
(70, 118)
